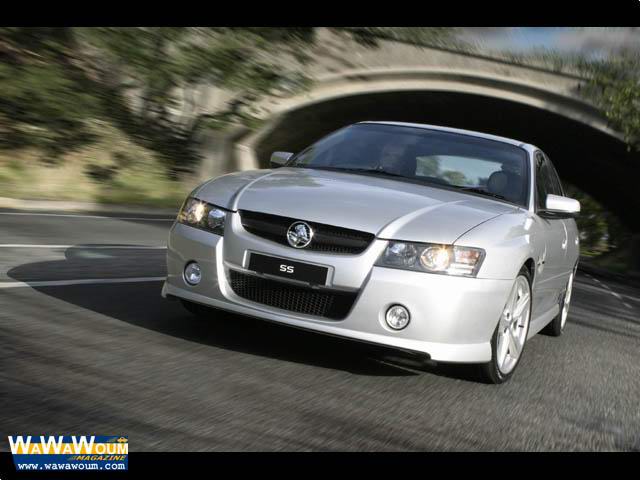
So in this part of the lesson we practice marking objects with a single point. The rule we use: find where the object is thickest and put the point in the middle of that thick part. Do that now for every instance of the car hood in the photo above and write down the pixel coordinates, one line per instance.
(389, 208)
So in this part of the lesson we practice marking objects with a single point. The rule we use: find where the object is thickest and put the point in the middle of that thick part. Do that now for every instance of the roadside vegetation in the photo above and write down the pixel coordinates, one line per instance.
(110, 170)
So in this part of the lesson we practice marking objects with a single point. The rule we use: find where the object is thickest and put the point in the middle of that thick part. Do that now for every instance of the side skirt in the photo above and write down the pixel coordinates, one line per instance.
(542, 321)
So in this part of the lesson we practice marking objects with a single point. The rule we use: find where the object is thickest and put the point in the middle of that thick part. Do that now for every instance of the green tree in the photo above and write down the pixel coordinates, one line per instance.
(142, 71)
(455, 177)
(615, 86)
(592, 222)
(428, 166)
(40, 102)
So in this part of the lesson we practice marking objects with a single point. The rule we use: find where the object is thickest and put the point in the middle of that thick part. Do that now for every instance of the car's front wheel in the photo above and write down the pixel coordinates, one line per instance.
(510, 335)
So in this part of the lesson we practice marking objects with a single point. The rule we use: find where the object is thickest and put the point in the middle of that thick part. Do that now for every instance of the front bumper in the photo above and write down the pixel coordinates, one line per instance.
(452, 318)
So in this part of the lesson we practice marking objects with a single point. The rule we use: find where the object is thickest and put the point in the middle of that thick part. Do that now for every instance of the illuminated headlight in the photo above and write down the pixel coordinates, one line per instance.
(432, 258)
(203, 215)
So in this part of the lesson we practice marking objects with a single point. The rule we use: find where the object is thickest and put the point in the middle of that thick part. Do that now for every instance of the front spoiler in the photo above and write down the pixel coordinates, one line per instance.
(416, 349)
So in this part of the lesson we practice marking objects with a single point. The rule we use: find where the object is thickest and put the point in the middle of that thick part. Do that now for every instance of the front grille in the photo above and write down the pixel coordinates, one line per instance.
(326, 238)
(333, 304)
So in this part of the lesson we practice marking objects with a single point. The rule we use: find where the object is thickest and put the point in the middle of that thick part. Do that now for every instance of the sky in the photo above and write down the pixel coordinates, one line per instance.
(590, 41)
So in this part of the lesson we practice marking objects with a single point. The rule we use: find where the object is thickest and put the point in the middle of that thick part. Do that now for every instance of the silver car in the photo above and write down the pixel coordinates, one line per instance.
(451, 245)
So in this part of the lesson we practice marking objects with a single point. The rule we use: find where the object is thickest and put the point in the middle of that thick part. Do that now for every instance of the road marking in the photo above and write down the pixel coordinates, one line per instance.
(146, 219)
(87, 247)
(88, 281)
(603, 287)
(585, 286)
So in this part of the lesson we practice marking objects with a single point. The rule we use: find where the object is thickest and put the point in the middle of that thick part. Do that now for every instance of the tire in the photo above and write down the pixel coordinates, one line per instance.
(509, 337)
(557, 325)
(195, 308)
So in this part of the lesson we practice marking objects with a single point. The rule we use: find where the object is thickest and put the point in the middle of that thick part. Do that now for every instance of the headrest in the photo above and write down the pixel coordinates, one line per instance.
(498, 182)
(507, 184)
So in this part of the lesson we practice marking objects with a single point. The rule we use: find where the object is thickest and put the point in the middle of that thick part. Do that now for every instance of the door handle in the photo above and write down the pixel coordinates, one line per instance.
(542, 258)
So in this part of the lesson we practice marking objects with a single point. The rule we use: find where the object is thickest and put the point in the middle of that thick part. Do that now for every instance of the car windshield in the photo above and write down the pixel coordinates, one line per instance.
(453, 160)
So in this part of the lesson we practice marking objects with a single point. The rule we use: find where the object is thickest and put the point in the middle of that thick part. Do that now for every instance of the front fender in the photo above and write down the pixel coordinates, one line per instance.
(223, 191)
(509, 241)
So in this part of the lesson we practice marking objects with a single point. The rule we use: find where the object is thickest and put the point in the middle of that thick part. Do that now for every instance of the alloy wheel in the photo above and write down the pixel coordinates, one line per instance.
(565, 304)
(513, 326)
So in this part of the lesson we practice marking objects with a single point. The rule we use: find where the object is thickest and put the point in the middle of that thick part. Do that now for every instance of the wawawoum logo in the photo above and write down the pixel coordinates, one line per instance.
(74, 452)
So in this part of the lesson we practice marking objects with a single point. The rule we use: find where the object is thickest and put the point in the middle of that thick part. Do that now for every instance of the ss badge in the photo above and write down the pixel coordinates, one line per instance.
(286, 268)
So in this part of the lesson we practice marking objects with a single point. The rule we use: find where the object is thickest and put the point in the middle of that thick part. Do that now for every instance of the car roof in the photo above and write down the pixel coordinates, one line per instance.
(456, 130)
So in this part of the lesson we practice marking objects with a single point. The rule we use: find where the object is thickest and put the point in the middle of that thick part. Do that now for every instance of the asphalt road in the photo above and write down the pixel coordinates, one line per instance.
(113, 358)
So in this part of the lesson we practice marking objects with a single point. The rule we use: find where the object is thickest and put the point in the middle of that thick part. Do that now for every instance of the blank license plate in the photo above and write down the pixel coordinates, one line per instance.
(291, 269)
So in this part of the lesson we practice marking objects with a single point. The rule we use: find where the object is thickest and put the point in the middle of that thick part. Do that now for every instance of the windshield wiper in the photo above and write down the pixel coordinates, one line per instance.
(482, 192)
(375, 171)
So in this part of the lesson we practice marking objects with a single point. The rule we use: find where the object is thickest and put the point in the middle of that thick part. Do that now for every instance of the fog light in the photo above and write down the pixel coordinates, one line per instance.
(397, 317)
(192, 273)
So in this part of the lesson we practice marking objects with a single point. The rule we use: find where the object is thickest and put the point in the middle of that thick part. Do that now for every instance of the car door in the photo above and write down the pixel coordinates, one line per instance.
(550, 264)
(572, 246)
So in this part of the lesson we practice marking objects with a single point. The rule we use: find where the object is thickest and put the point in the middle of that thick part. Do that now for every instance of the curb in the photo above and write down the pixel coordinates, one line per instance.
(82, 207)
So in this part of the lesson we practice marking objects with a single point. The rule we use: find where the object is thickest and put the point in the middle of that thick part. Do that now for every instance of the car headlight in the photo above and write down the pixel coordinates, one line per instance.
(432, 258)
(203, 215)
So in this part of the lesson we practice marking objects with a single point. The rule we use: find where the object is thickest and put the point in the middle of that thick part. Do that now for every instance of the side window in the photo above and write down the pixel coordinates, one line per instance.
(547, 180)
(555, 178)
(543, 183)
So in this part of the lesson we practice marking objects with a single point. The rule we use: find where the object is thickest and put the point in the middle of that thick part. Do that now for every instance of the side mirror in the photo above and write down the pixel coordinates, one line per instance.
(559, 206)
(278, 159)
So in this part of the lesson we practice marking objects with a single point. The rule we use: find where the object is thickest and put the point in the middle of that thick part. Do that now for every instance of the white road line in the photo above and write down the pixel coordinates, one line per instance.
(146, 219)
(607, 289)
(87, 247)
(88, 281)
(585, 286)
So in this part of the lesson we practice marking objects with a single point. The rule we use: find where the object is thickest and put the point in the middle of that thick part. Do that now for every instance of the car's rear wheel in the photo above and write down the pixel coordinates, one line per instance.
(510, 335)
(556, 326)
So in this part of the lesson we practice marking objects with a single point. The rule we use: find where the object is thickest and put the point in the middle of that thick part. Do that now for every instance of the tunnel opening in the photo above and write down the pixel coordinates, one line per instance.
(593, 161)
